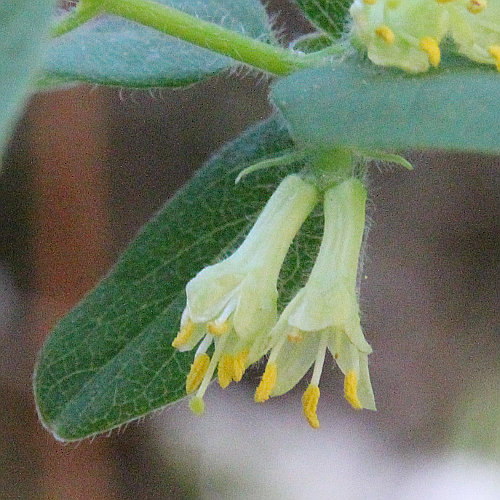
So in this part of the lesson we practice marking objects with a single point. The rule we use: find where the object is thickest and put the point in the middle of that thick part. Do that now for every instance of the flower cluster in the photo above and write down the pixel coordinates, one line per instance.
(407, 33)
(232, 304)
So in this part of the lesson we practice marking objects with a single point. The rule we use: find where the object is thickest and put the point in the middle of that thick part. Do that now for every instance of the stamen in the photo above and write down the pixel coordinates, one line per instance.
(320, 359)
(239, 362)
(494, 51)
(217, 329)
(197, 372)
(225, 370)
(310, 400)
(267, 383)
(219, 348)
(444, 1)
(370, 2)
(431, 47)
(184, 334)
(295, 337)
(197, 405)
(351, 390)
(476, 6)
(385, 33)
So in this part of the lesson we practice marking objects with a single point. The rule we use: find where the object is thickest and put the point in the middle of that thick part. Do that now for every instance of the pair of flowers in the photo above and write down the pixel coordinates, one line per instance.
(231, 308)
(407, 33)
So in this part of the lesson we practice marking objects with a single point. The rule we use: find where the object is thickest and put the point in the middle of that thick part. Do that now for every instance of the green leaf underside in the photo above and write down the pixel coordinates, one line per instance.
(113, 51)
(109, 360)
(329, 15)
(353, 104)
(23, 24)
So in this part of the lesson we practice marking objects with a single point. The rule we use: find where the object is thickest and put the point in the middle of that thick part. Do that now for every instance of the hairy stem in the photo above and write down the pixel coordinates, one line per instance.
(82, 13)
(211, 36)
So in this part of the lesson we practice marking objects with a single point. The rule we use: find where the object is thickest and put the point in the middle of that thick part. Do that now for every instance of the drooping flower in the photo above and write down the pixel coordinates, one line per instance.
(232, 304)
(401, 33)
(325, 313)
(407, 33)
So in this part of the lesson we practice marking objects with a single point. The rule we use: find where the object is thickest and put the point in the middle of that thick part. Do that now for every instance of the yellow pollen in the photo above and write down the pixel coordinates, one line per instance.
(239, 364)
(369, 2)
(431, 47)
(494, 51)
(267, 383)
(184, 334)
(197, 372)
(310, 400)
(476, 6)
(444, 1)
(351, 390)
(218, 329)
(295, 338)
(197, 405)
(225, 370)
(385, 33)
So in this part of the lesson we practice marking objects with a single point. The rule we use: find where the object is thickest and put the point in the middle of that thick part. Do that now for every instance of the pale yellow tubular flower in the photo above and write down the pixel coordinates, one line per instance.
(232, 305)
(325, 313)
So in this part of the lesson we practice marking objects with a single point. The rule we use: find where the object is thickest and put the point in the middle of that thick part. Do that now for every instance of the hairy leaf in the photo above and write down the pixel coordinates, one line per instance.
(329, 15)
(114, 51)
(110, 360)
(23, 24)
(352, 104)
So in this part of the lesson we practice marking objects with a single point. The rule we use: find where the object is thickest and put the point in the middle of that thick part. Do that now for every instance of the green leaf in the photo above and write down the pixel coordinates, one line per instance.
(110, 359)
(328, 15)
(23, 24)
(352, 104)
(114, 51)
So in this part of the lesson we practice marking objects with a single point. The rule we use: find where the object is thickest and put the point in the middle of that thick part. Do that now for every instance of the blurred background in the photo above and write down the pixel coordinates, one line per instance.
(88, 166)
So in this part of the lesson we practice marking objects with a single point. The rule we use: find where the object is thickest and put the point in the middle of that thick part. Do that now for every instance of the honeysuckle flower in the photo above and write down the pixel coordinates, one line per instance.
(401, 33)
(232, 304)
(325, 313)
(475, 27)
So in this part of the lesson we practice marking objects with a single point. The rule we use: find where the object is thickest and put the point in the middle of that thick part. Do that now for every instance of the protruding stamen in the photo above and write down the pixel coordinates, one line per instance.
(225, 370)
(197, 405)
(197, 372)
(184, 334)
(267, 383)
(476, 6)
(310, 400)
(351, 390)
(217, 329)
(431, 47)
(494, 51)
(385, 33)
(239, 362)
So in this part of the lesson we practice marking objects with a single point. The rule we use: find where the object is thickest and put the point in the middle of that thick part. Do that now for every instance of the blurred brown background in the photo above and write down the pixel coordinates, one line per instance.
(88, 166)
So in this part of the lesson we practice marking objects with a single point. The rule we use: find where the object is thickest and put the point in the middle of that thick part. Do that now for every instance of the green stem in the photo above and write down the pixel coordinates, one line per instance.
(82, 13)
(211, 36)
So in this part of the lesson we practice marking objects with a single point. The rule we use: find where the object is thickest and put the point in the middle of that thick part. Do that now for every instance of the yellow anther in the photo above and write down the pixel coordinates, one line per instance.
(385, 33)
(369, 2)
(184, 334)
(494, 51)
(476, 6)
(197, 372)
(225, 370)
(267, 383)
(310, 400)
(218, 329)
(197, 405)
(239, 362)
(431, 46)
(444, 1)
(295, 337)
(351, 389)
